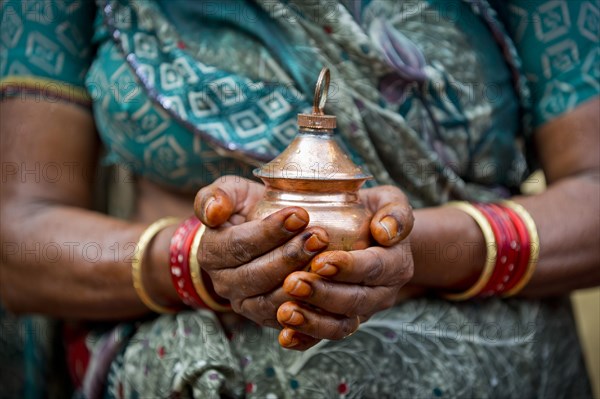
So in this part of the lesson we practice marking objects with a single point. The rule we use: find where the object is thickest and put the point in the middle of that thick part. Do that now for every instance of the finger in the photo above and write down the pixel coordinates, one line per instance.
(290, 339)
(262, 309)
(373, 266)
(228, 195)
(393, 218)
(311, 322)
(268, 271)
(239, 244)
(343, 299)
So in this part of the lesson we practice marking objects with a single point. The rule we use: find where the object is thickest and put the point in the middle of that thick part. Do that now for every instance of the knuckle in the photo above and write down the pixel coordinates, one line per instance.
(396, 193)
(246, 279)
(346, 327)
(266, 308)
(356, 303)
(257, 309)
(209, 251)
(391, 189)
(403, 266)
(239, 306)
(239, 249)
(409, 272)
(292, 252)
(339, 333)
(222, 289)
(376, 270)
(230, 177)
(262, 277)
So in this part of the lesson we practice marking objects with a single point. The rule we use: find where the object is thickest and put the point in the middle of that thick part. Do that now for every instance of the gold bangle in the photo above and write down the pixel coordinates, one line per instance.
(196, 274)
(138, 257)
(491, 246)
(534, 245)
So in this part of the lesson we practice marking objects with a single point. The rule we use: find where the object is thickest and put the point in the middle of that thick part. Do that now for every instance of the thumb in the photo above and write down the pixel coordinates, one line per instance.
(215, 203)
(393, 217)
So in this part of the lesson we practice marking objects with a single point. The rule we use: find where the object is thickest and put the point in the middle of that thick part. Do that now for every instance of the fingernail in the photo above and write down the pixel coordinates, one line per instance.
(295, 319)
(208, 204)
(326, 270)
(301, 289)
(390, 225)
(294, 223)
(314, 243)
(287, 338)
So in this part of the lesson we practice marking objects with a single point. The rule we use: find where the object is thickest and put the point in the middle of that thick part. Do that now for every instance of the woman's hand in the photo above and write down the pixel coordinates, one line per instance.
(248, 261)
(343, 288)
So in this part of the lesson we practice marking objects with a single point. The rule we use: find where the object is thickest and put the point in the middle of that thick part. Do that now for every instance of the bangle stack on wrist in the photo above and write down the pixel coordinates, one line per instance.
(512, 245)
(192, 285)
(137, 262)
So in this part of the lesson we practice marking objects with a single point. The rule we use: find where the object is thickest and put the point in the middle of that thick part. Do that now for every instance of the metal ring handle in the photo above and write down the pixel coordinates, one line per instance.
(321, 90)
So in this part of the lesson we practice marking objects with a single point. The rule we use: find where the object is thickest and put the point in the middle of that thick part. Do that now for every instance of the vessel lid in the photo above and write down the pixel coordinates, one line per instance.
(314, 154)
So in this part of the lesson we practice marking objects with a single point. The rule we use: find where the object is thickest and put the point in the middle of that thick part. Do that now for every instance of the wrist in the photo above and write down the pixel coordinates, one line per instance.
(448, 249)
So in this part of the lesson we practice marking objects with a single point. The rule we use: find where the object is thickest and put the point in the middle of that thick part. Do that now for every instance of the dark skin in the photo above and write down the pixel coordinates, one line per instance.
(372, 285)
(265, 281)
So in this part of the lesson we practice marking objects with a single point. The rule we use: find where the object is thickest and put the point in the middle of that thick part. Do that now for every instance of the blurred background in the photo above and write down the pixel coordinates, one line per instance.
(586, 307)
(586, 304)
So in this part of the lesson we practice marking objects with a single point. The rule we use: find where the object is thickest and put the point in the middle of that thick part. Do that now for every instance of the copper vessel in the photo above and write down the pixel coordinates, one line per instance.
(314, 173)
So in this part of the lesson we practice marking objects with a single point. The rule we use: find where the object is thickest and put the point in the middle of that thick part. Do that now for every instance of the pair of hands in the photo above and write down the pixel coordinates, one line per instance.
(260, 266)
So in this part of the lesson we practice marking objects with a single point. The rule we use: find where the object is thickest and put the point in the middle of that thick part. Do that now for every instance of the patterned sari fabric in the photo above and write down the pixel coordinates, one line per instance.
(430, 96)
(417, 124)
(421, 349)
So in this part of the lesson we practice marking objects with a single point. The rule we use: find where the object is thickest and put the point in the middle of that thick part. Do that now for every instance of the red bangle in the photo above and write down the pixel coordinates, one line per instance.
(506, 254)
(525, 248)
(514, 243)
(181, 243)
(501, 251)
